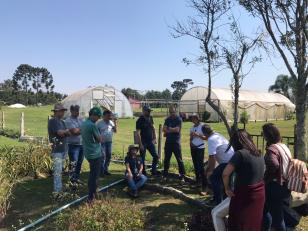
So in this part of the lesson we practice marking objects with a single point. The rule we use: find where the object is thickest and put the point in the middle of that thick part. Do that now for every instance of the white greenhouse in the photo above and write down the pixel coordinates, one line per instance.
(261, 106)
(105, 97)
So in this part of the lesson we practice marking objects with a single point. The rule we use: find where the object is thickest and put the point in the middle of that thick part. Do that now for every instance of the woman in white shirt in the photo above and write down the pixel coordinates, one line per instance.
(197, 147)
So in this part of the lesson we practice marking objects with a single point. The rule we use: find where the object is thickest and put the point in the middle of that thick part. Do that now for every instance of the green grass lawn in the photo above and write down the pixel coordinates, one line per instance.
(36, 125)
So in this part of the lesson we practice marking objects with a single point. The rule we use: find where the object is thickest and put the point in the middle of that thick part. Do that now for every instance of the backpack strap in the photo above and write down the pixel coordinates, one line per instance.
(282, 151)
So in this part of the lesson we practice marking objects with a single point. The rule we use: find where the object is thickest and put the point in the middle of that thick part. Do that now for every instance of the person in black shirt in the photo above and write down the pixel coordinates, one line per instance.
(248, 196)
(172, 132)
(147, 138)
(133, 173)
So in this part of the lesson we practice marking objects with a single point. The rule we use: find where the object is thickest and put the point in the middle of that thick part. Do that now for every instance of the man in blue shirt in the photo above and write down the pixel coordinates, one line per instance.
(75, 150)
(172, 131)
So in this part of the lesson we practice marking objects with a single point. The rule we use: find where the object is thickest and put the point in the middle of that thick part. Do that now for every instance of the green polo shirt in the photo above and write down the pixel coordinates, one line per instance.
(91, 148)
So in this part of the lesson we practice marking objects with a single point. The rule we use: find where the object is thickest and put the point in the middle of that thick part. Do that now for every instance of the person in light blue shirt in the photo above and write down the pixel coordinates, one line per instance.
(107, 128)
(75, 149)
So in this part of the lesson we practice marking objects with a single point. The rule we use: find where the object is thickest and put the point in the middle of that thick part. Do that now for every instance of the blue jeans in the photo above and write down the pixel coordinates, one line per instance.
(152, 149)
(276, 197)
(136, 183)
(75, 153)
(107, 151)
(217, 183)
(58, 162)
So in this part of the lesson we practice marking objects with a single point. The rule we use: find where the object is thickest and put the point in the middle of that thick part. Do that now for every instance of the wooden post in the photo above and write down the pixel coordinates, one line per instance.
(3, 120)
(48, 118)
(136, 141)
(22, 124)
(160, 136)
(295, 142)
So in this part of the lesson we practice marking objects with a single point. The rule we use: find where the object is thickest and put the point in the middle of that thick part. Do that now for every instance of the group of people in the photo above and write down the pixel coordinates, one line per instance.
(247, 187)
(80, 138)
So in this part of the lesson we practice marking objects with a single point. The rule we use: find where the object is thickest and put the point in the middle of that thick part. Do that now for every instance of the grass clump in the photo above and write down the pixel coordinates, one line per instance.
(17, 163)
(106, 214)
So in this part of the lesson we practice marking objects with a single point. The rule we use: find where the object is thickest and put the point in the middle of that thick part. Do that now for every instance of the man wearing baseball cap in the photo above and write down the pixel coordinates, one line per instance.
(58, 133)
(91, 140)
(147, 138)
(75, 150)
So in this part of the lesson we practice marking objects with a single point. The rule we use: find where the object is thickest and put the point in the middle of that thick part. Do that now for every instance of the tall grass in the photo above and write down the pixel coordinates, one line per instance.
(17, 163)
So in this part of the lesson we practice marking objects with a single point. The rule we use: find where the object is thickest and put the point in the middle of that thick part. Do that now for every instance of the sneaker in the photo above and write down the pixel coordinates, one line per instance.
(182, 181)
(203, 193)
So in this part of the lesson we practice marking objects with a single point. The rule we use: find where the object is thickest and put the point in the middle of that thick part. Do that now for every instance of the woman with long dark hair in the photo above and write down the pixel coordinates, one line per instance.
(248, 196)
(277, 159)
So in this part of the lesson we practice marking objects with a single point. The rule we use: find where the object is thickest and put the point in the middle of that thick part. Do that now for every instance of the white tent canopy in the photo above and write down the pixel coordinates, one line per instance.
(17, 105)
(105, 97)
(260, 106)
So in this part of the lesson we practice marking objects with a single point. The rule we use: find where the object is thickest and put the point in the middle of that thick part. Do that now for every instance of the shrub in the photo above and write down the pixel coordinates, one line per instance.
(16, 163)
(8, 178)
(206, 116)
(244, 118)
(10, 133)
(107, 214)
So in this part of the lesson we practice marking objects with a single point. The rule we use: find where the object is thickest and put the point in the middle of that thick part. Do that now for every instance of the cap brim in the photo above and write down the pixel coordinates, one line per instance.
(63, 109)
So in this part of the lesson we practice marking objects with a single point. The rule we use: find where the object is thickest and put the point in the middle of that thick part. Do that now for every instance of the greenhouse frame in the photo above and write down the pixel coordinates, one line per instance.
(105, 97)
(260, 106)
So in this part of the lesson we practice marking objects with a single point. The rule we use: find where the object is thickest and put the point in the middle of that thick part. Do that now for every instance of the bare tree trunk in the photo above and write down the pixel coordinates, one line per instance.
(301, 141)
(236, 102)
(214, 106)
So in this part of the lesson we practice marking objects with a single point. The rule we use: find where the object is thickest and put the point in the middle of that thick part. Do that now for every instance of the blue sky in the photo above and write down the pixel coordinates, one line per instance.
(124, 43)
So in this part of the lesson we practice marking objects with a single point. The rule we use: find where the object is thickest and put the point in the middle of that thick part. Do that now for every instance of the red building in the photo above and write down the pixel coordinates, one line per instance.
(136, 104)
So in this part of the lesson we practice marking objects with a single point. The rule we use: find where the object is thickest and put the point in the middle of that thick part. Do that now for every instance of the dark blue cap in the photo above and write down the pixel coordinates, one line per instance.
(146, 108)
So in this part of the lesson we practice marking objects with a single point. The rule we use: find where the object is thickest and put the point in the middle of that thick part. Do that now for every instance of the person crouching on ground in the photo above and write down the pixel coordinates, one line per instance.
(91, 140)
(58, 133)
(106, 127)
(133, 174)
(197, 147)
(213, 173)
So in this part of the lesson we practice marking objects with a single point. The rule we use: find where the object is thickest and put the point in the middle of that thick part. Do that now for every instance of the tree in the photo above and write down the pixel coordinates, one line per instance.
(41, 78)
(22, 78)
(286, 24)
(203, 29)
(283, 85)
(231, 49)
(132, 93)
(237, 51)
(166, 94)
(180, 87)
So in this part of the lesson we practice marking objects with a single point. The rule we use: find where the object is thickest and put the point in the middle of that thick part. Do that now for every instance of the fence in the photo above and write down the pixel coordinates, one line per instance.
(288, 140)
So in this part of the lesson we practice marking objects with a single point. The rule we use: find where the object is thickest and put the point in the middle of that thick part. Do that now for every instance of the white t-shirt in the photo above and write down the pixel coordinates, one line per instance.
(198, 142)
(106, 130)
(223, 157)
(215, 141)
